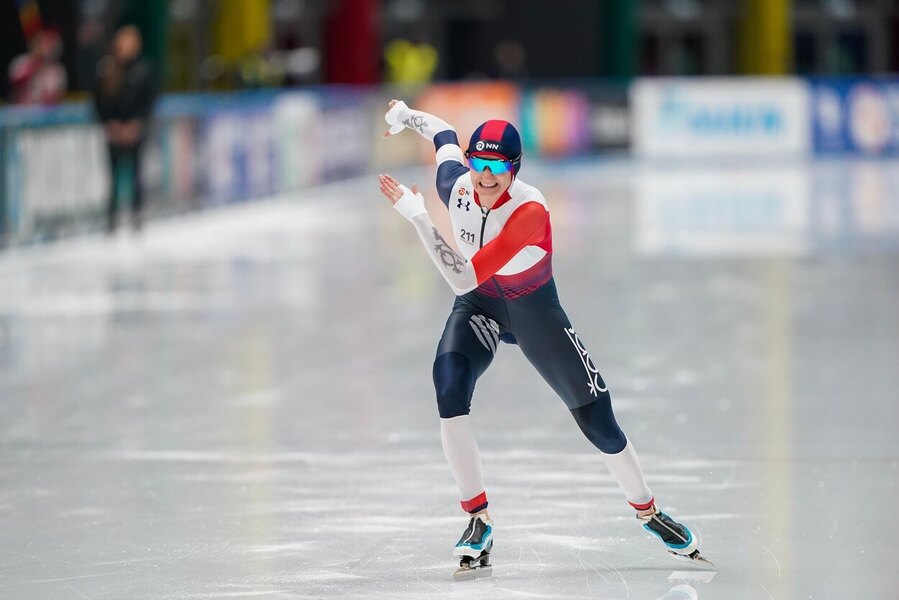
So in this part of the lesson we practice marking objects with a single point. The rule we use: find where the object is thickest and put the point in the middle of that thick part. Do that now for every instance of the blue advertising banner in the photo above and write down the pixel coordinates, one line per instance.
(343, 142)
(238, 152)
(858, 116)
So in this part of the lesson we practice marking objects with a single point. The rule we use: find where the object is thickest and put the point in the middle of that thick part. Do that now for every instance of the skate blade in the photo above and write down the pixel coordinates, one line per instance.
(696, 559)
(472, 573)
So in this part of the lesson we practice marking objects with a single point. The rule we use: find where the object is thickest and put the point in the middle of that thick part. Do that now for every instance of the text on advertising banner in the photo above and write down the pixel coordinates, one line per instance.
(683, 118)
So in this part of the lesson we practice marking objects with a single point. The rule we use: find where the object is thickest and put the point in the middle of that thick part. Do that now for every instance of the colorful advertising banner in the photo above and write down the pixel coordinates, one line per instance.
(467, 105)
(555, 122)
(855, 116)
(684, 118)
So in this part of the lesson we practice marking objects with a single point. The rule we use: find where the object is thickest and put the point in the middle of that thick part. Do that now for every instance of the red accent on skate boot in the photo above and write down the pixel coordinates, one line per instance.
(477, 503)
(646, 506)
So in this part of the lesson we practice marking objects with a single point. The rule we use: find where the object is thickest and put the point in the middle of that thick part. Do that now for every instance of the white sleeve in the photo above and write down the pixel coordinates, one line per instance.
(427, 125)
(450, 152)
(458, 272)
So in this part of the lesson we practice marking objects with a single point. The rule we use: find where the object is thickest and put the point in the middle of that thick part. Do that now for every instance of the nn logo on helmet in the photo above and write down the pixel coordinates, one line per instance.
(482, 145)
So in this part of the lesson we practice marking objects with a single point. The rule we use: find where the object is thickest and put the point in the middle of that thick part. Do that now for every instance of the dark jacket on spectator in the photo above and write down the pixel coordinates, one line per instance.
(125, 92)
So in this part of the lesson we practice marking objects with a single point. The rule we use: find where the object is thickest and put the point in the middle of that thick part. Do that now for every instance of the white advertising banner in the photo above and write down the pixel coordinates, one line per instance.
(720, 117)
(296, 118)
(64, 171)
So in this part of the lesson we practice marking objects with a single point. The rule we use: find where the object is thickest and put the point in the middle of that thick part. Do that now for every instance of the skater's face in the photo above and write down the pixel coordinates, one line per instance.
(490, 186)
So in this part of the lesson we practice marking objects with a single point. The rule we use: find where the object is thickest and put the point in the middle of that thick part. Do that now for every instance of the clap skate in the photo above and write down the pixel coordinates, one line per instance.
(474, 549)
(678, 538)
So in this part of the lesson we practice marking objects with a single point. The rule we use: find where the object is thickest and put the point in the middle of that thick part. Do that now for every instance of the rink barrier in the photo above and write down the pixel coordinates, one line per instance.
(52, 168)
(207, 150)
(203, 150)
(772, 118)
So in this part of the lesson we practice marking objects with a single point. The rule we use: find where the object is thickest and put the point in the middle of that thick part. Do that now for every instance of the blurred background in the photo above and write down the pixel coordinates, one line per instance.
(216, 337)
(293, 72)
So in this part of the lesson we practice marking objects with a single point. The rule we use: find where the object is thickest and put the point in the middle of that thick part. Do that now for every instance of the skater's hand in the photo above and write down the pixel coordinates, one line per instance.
(409, 203)
(392, 189)
(397, 113)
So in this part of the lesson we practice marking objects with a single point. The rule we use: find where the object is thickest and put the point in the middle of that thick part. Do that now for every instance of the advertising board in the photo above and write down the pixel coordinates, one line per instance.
(223, 156)
(720, 117)
(296, 116)
(555, 122)
(855, 116)
(610, 117)
(61, 172)
(467, 105)
(343, 142)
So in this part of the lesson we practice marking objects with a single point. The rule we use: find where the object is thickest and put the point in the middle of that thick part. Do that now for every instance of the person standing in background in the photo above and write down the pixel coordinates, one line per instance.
(37, 77)
(123, 96)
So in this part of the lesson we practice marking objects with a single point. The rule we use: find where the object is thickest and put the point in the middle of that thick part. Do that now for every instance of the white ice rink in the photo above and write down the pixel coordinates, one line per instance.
(238, 404)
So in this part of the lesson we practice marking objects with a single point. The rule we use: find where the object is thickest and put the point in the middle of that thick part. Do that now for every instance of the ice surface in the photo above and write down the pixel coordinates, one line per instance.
(238, 404)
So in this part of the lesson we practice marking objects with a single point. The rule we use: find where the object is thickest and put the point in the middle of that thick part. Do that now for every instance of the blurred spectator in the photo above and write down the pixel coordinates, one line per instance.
(124, 96)
(38, 77)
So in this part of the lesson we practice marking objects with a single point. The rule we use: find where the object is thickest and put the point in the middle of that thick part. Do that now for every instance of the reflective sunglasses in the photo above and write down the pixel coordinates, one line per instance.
(497, 166)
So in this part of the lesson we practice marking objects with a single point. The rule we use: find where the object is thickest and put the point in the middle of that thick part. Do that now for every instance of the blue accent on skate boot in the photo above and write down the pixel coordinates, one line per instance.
(485, 541)
(673, 546)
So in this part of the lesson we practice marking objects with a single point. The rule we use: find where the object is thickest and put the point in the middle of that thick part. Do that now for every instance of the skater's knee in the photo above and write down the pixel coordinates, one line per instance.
(454, 384)
(598, 423)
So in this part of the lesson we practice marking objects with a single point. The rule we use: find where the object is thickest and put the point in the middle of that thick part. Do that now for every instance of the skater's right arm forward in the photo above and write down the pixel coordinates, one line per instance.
(457, 272)
(450, 159)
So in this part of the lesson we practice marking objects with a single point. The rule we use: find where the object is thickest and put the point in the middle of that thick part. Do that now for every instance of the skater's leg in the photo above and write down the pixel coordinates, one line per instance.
(598, 424)
(137, 195)
(552, 346)
(461, 451)
(112, 206)
(547, 339)
(465, 351)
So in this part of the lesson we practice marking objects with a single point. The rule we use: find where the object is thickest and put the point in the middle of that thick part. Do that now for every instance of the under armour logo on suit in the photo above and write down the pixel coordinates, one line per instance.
(467, 204)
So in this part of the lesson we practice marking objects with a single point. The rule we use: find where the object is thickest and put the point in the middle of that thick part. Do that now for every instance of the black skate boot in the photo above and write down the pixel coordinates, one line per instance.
(677, 537)
(474, 549)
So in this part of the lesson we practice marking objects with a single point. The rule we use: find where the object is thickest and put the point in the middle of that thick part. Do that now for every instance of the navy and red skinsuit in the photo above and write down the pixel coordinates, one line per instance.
(510, 248)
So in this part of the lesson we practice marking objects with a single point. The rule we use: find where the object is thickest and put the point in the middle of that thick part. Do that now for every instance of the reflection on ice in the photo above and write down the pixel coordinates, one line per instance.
(763, 209)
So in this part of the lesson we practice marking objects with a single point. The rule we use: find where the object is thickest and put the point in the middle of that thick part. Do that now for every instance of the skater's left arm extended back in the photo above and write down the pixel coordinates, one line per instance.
(450, 159)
